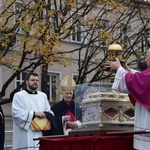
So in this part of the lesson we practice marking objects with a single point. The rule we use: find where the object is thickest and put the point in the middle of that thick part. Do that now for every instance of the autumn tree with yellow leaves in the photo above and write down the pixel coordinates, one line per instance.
(32, 33)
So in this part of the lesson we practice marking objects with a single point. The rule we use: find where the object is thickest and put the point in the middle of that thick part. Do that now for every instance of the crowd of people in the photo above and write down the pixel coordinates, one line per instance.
(30, 103)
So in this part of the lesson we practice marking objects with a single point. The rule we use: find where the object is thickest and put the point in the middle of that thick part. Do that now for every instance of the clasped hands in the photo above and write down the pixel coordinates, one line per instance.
(68, 122)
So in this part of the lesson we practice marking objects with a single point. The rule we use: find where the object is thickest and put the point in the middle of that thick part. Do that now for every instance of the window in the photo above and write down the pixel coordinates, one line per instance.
(123, 32)
(145, 44)
(55, 21)
(18, 12)
(53, 86)
(20, 79)
(77, 34)
(98, 32)
(97, 40)
(78, 30)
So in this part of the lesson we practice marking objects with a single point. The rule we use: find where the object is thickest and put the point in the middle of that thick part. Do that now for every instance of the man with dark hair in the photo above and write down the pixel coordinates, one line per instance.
(28, 104)
(2, 129)
(31, 73)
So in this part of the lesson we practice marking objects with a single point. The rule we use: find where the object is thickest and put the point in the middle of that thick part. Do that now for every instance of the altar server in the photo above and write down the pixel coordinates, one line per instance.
(28, 104)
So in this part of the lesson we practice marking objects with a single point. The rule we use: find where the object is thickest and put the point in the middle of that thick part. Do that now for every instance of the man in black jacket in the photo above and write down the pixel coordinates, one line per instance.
(65, 109)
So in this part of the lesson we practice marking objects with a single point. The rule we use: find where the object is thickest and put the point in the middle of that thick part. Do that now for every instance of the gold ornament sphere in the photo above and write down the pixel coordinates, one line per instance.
(115, 47)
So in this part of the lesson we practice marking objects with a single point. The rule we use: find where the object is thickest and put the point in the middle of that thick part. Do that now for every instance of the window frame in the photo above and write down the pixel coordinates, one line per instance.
(50, 88)
(21, 80)
(145, 43)
(20, 4)
(75, 33)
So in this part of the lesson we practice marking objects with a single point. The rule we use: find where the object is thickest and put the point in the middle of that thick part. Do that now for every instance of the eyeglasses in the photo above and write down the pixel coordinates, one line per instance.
(34, 80)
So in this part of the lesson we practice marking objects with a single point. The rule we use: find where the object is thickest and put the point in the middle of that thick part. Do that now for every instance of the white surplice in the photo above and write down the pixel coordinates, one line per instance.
(23, 107)
(142, 115)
